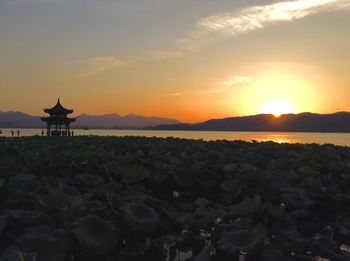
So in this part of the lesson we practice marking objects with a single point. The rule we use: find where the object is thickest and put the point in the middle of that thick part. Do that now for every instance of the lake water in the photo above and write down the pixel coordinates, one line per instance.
(280, 137)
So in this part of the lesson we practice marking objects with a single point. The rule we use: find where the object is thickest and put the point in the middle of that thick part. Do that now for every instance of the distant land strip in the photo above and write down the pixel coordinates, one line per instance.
(338, 122)
(14, 119)
(303, 122)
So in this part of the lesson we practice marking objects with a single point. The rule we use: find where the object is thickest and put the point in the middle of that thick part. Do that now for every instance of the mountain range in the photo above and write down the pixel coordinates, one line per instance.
(108, 121)
(302, 122)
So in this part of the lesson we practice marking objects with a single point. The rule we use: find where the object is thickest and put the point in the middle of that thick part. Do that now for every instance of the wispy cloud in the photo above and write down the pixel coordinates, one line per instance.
(98, 65)
(160, 55)
(209, 91)
(249, 19)
(256, 17)
(225, 85)
(174, 94)
(211, 28)
(236, 79)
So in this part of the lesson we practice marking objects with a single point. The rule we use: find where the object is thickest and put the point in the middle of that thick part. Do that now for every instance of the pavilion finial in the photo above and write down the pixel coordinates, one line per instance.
(58, 100)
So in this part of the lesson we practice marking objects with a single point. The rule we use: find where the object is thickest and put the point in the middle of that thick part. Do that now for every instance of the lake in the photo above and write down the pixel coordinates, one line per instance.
(280, 137)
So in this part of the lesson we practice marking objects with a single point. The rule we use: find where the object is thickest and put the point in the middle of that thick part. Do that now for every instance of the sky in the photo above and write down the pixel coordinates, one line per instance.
(186, 59)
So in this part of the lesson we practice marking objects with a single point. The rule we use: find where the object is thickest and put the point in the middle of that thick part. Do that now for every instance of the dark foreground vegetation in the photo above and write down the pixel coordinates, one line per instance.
(139, 199)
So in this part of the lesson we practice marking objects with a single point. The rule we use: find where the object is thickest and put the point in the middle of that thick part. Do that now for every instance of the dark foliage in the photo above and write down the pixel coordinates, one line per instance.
(134, 198)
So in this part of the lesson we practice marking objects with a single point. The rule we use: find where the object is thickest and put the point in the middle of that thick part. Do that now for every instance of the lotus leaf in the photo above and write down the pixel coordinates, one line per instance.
(29, 217)
(307, 171)
(55, 198)
(242, 208)
(134, 173)
(202, 202)
(144, 217)
(229, 168)
(2, 223)
(16, 255)
(248, 168)
(45, 244)
(242, 240)
(205, 254)
(28, 256)
(345, 177)
(295, 198)
(22, 177)
(2, 181)
(312, 182)
(231, 185)
(201, 212)
(112, 198)
(96, 234)
(176, 216)
(275, 211)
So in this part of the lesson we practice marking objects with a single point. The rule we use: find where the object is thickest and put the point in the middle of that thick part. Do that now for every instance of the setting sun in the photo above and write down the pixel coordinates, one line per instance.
(277, 107)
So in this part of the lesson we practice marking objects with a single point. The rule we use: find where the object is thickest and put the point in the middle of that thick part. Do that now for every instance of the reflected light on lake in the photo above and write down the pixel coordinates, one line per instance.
(280, 137)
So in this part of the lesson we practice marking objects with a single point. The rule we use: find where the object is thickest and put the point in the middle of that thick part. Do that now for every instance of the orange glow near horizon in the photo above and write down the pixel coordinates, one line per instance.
(281, 88)
(277, 107)
(221, 59)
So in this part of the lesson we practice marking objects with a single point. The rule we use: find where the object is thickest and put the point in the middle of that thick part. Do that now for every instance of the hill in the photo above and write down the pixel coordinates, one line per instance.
(303, 122)
(110, 121)
(14, 119)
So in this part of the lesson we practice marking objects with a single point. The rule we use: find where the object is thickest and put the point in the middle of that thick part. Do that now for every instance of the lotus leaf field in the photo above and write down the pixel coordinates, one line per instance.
(139, 199)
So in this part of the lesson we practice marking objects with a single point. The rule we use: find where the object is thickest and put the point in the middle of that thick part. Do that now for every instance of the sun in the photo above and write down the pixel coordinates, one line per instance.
(277, 107)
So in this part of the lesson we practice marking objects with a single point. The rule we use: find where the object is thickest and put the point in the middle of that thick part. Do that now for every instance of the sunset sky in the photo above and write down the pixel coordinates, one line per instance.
(184, 59)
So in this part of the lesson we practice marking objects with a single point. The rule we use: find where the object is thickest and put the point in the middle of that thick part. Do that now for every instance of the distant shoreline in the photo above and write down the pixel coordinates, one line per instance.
(339, 139)
(188, 130)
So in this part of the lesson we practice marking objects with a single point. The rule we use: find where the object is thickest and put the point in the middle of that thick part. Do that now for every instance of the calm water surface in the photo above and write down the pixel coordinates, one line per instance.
(280, 137)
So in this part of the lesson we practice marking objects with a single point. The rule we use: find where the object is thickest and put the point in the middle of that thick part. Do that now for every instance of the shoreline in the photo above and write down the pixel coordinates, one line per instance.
(340, 139)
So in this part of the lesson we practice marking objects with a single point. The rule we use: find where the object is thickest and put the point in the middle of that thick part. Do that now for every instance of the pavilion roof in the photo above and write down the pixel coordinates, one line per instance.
(58, 109)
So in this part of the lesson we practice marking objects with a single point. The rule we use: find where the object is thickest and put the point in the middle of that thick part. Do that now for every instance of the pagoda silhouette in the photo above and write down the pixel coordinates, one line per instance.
(58, 122)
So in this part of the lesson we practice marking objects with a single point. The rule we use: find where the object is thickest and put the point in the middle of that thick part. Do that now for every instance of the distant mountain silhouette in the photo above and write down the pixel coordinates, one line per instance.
(114, 120)
(303, 122)
(16, 119)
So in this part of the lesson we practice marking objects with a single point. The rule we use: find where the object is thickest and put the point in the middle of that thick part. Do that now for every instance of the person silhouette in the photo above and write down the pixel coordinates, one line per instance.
(17, 133)
(12, 133)
(42, 133)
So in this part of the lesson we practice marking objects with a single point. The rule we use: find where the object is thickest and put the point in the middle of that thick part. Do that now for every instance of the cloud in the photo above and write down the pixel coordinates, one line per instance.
(211, 28)
(209, 91)
(160, 55)
(236, 79)
(239, 21)
(98, 65)
(257, 17)
(226, 84)
(174, 94)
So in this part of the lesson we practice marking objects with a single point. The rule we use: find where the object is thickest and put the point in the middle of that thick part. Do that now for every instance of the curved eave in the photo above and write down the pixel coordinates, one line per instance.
(57, 119)
(58, 111)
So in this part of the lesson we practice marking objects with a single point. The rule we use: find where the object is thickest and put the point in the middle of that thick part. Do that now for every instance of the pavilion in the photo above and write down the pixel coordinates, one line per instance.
(58, 122)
